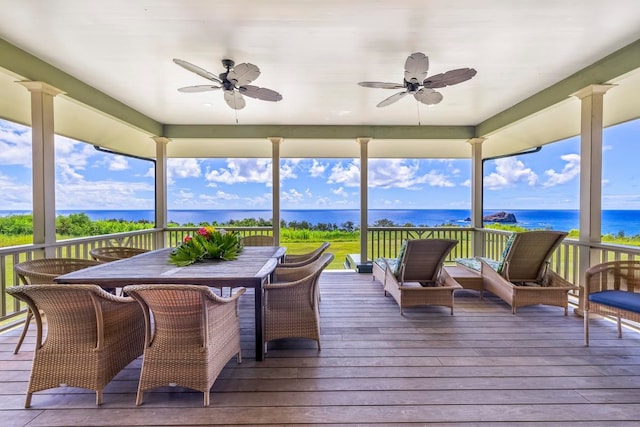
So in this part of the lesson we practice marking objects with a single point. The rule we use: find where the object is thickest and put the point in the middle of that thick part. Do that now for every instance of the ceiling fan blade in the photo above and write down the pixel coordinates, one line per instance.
(199, 71)
(260, 93)
(199, 88)
(393, 98)
(234, 99)
(428, 96)
(381, 85)
(452, 77)
(416, 67)
(243, 74)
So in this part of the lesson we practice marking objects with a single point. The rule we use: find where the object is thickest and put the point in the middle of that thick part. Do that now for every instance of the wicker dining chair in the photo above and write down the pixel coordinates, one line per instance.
(91, 335)
(298, 260)
(258, 240)
(190, 335)
(291, 307)
(114, 253)
(42, 272)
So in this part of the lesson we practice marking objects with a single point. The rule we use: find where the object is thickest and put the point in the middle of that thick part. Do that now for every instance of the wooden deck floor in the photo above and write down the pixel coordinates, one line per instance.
(482, 366)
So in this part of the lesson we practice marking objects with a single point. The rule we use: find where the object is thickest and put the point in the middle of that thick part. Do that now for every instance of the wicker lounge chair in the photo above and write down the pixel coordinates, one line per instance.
(522, 276)
(91, 335)
(416, 277)
(190, 335)
(114, 253)
(257, 240)
(298, 260)
(291, 302)
(42, 272)
(612, 289)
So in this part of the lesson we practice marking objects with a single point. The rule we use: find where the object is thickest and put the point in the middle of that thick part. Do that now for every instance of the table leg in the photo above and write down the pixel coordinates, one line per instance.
(259, 327)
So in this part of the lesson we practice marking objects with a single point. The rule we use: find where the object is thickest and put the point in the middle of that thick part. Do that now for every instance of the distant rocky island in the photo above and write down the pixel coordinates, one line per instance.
(501, 217)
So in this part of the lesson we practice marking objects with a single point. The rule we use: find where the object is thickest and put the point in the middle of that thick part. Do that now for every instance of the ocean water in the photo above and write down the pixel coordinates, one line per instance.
(613, 221)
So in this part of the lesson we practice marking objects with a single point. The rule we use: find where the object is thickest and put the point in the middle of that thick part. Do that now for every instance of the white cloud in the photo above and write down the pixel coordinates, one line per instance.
(15, 144)
(242, 171)
(292, 196)
(288, 169)
(72, 157)
(181, 168)
(509, 171)
(340, 192)
(81, 194)
(15, 195)
(317, 169)
(324, 201)
(118, 163)
(226, 196)
(402, 173)
(348, 175)
(570, 170)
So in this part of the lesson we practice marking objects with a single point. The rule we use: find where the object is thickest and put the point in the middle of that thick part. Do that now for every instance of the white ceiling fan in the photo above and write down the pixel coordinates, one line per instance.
(417, 83)
(234, 82)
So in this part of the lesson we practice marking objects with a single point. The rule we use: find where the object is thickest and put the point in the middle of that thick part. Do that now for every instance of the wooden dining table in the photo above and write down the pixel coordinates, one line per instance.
(252, 269)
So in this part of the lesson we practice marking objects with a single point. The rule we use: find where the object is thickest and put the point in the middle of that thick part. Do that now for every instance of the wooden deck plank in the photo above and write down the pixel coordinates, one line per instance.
(482, 366)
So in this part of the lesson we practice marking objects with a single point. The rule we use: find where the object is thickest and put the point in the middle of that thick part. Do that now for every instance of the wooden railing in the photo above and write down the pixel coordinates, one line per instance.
(385, 242)
(381, 242)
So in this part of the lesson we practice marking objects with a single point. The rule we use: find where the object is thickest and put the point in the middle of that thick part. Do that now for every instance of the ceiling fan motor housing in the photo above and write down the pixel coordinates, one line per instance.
(412, 87)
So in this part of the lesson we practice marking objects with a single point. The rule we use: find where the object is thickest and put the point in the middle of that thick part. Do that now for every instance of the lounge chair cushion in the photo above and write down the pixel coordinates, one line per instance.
(474, 263)
(624, 300)
(392, 263)
(395, 267)
(507, 247)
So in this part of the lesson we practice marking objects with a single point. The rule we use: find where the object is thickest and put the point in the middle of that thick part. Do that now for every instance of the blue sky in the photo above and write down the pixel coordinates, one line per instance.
(88, 179)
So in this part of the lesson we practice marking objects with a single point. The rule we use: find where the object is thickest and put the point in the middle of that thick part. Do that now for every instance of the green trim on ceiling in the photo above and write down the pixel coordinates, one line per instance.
(610, 67)
(318, 132)
(29, 67)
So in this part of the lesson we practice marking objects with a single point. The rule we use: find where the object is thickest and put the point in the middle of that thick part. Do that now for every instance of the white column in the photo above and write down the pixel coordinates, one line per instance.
(275, 196)
(161, 190)
(591, 99)
(364, 197)
(43, 161)
(477, 248)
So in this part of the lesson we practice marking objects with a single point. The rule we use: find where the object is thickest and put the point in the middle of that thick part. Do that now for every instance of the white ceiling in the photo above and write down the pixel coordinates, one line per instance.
(315, 53)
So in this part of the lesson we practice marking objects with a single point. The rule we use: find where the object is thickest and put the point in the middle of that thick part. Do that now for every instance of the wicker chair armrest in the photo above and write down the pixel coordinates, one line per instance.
(238, 292)
(487, 271)
(448, 281)
(389, 277)
(285, 285)
(553, 279)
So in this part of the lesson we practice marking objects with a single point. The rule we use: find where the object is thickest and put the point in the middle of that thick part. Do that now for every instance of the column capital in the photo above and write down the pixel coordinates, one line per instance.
(363, 140)
(474, 141)
(276, 139)
(40, 87)
(161, 139)
(592, 90)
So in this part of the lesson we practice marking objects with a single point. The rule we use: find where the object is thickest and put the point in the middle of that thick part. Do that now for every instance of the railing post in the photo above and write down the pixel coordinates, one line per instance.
(364, 197)
(477, 241)
(591, 101)
(161, 191)
(275, 189)
(43, 163)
